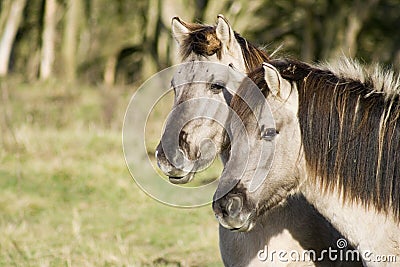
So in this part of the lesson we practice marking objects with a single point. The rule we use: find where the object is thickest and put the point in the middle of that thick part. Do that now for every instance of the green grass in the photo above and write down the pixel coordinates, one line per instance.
(67, 198)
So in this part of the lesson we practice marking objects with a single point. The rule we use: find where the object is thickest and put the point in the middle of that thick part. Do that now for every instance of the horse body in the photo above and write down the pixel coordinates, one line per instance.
(278, 230)
(288, 228)
(371, 232)
(337, 143)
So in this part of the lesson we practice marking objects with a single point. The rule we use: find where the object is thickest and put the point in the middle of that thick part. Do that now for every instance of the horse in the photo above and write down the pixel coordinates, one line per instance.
(336, 140)
(221, 44)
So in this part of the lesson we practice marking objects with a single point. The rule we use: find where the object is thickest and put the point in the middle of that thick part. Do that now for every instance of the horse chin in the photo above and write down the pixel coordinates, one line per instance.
(182, 180)
(246, 226)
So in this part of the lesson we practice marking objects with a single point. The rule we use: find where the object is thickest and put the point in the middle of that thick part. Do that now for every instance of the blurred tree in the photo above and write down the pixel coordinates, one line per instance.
(126, 41)
(26, 51)
(4, 9)
(70, 39)
(113, 33)
(48, 40)
(361, 11)
(9, 32)
(322, 30)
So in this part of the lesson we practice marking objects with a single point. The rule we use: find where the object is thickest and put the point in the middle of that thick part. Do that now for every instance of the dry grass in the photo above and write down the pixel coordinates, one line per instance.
(67, 197)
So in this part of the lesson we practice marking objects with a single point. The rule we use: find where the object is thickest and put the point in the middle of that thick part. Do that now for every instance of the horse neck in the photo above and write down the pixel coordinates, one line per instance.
(350, 139)
(363, 227)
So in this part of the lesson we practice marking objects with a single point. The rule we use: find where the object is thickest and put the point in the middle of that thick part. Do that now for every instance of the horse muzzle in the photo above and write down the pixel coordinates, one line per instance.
(177, 172)
(230, 213)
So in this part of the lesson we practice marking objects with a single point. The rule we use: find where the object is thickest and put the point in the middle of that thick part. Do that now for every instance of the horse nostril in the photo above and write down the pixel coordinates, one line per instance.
(183, 136)
(234, 206)
(228, 207)
(219, 208)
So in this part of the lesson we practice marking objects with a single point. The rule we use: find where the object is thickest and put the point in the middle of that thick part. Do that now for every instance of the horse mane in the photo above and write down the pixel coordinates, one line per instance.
(239, 106)
(252, 55)
(349, 119)
(203, 41)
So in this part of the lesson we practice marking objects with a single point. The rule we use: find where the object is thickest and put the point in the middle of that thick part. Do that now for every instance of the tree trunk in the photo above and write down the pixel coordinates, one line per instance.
(71, 38)
(48, 39)
(361, 11)
(110, 69)
(151, 37)
(5, 8)
(9, 33)
(307, 49)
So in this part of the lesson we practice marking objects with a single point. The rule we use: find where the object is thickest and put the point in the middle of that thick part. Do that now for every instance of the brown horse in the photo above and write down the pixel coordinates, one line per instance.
(337, 141)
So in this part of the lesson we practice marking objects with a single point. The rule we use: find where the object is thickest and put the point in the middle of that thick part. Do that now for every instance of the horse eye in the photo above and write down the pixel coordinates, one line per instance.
(217, 87)
(233, 67)
(269, 134)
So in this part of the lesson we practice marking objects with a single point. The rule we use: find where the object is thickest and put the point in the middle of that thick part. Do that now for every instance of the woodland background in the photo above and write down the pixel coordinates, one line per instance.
(122, 41)
(67, 71)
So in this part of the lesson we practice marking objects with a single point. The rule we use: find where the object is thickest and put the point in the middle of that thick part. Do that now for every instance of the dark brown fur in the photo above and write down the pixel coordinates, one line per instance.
(202, 40)
(242, 109)
(343, 146)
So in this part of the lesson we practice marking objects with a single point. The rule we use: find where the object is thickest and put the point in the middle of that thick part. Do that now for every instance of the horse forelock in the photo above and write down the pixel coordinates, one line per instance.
(203, 41)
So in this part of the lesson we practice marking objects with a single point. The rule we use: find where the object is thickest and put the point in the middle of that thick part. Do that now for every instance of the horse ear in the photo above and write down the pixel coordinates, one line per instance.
(179, 30)
(273, 79)
(224, 31)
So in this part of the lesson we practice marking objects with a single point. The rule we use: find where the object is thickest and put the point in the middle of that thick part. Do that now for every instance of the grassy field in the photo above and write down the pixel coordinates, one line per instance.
(67, 198)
